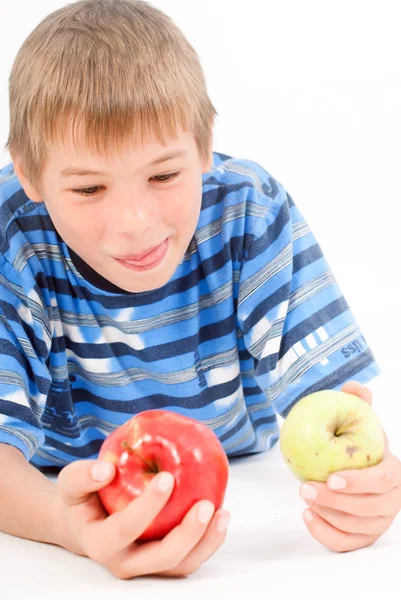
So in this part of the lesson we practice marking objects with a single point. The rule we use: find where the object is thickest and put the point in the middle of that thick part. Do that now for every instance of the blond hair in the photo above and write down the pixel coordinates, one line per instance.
(112, 67)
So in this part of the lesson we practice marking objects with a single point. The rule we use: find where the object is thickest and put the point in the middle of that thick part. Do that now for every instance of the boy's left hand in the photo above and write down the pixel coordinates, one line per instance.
(356, 515)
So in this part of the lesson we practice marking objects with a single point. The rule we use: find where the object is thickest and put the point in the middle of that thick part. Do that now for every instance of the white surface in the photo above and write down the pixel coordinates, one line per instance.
(268, 548)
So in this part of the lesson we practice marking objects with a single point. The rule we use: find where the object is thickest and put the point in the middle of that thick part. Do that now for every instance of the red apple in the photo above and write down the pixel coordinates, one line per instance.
(161, 440)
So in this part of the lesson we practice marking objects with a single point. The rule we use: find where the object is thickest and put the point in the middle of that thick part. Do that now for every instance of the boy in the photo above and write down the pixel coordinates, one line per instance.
(141, 270)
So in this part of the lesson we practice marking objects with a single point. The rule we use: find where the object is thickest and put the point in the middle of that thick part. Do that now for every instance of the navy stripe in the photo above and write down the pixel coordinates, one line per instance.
(129, 407)
(271, 233)
(307, 257)
(19, 412)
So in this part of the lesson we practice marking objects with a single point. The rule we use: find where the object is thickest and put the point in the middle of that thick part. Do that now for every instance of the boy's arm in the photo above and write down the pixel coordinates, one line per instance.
(27, 505)
(295, 320)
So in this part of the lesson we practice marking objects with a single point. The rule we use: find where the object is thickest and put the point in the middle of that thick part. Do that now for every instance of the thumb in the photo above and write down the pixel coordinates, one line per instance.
(78, 481)
(357, 389)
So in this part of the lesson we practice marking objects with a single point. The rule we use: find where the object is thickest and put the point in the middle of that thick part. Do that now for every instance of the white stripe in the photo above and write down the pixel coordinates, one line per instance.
(271, 347)
(322, 333)
(310, 340)
(283, 365)
(299, 349)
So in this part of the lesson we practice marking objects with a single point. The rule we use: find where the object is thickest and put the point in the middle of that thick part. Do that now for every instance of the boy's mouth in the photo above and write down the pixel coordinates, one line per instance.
(147, 259)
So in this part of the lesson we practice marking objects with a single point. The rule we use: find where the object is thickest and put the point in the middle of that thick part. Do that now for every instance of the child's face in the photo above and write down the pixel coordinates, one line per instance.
(128, 209)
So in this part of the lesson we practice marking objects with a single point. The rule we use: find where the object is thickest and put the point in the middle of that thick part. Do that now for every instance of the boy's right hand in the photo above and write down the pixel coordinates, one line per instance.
(86, 528)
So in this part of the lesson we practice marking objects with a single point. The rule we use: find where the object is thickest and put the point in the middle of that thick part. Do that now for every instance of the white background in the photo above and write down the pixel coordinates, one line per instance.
(312, 91)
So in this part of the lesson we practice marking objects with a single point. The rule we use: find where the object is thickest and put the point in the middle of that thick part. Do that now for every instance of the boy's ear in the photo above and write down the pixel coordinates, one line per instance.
(207, 166)
(31, 191)
(209, 163)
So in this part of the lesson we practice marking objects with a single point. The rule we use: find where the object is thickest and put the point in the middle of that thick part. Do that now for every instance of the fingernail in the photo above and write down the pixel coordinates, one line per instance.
(205, 513)
(165, 482)
(222, 522)
(308, 492)
(101, 471)
(336, 483)
(308, 516)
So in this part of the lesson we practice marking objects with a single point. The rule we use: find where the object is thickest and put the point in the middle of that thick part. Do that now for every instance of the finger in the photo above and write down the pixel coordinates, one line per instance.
(208, 545)
(372, 480)
(106, 537)
(366, 505)
(363, 392)
(356, 388)
(332, 538)
(79, 480)
(168, 553)
(374, 526)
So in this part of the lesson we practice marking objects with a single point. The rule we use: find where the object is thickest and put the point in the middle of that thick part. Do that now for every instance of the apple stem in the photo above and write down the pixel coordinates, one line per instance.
(344, 429)
(127, 447)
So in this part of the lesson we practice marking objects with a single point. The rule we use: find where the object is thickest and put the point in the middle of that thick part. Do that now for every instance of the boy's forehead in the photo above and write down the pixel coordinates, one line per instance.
(150, 150)
(73, 170)
(78, 144)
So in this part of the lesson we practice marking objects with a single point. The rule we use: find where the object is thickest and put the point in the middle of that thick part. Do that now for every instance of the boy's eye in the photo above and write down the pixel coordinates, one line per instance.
(167, 177)
(91, 191)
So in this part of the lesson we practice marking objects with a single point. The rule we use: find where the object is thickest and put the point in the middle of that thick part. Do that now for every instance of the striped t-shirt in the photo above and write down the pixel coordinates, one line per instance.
(251, 321)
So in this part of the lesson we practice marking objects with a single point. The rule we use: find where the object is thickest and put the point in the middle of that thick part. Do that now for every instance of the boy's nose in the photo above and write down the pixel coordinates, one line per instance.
(133, 217)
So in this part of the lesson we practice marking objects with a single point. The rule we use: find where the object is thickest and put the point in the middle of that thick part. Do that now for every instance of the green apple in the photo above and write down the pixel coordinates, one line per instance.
(330, 431)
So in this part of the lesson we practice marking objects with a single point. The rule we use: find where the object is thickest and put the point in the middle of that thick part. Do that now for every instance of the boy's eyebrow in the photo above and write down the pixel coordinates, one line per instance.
(77, 171)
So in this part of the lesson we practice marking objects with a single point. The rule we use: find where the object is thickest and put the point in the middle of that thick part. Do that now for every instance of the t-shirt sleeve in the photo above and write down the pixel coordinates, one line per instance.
(293, 318)
(24, 376)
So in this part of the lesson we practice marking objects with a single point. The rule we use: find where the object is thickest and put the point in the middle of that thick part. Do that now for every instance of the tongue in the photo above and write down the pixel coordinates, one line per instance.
(148, 258)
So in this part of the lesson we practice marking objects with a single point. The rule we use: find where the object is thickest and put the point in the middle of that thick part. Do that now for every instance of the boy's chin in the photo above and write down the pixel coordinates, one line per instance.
(145, 281)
